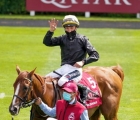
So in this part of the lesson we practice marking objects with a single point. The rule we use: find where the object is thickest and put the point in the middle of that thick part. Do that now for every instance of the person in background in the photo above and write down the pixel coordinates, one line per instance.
(74, 49)
(68, 108)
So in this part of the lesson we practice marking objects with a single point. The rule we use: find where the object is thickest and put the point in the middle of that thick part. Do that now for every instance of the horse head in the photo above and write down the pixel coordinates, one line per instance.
(27, 87)
(23, 91)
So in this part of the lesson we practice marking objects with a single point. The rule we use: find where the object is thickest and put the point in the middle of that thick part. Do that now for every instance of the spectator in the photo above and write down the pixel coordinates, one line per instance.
(68, 108)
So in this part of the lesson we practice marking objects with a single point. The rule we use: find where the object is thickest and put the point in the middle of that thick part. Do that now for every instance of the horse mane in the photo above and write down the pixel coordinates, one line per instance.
(45, 80)
(118, 69)
(42, 81)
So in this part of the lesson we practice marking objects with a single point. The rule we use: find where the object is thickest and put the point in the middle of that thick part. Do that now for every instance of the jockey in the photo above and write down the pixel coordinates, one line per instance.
(67, 108)
(74, 48)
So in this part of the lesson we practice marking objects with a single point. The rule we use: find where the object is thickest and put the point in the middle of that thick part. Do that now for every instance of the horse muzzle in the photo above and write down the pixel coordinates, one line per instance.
(14, 110)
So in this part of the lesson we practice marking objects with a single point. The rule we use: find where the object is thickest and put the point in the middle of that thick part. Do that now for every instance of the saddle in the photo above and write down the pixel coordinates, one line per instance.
(89, 92)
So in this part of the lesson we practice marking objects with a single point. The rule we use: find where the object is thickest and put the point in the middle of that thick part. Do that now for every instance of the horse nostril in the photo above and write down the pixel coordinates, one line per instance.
(13, 110)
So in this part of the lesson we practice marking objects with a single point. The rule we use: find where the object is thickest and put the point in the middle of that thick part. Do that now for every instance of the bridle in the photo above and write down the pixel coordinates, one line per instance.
(27, 103)
(24, 102)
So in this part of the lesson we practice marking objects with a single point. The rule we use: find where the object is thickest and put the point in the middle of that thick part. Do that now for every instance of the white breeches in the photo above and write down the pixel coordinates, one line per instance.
(64, 71)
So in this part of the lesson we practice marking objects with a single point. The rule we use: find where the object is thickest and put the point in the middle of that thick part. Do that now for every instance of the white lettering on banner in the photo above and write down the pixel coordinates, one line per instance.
(85, 2)
(106, 2)
(125, 1)
(116, 3)
(72, 1)
(61, 4)
(56, 4)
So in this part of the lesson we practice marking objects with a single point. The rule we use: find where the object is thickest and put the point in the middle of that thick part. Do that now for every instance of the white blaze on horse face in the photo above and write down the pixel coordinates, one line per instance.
(16, 93)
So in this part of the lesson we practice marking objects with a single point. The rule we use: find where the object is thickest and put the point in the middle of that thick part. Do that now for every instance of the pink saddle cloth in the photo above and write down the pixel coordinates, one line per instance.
(94, 97)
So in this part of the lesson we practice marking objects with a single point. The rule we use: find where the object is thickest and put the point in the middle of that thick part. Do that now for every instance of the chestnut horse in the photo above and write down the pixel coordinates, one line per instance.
(29, 85)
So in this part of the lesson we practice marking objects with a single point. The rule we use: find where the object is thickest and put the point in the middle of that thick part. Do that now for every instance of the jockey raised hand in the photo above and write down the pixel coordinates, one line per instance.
(74, 48)
(53, 24)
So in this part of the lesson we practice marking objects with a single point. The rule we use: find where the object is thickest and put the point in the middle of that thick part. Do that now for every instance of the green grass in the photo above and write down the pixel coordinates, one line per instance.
(44, 17)
(23, 46)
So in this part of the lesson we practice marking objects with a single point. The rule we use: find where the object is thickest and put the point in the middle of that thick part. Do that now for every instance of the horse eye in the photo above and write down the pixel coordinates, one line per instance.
(25, 88)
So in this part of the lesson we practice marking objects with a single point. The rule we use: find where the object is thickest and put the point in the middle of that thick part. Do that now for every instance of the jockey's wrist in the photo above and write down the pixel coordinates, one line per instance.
(51, 30)
(41, 104)
(84, 61)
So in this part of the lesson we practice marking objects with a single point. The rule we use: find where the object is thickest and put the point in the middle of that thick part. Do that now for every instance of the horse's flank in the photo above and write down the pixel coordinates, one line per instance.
(110, 81)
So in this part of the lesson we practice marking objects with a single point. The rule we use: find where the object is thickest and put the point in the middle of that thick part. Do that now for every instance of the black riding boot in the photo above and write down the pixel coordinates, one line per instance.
(83, 92)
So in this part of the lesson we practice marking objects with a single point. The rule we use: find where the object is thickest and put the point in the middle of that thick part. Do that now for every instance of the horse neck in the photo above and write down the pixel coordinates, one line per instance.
(52, 92)
(39, 87)
(45, 89)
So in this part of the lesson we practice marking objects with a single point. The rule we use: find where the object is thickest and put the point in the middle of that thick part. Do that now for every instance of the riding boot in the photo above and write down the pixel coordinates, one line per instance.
(84, 93)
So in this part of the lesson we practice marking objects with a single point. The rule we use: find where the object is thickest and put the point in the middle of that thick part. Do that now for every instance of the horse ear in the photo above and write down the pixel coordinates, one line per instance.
(31, 73)
(18, 70)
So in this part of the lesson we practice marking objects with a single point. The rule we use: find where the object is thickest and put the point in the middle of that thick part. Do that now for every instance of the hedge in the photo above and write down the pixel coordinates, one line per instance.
(12, 7)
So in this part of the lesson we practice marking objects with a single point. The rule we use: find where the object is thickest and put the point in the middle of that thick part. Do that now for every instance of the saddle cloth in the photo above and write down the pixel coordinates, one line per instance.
(93, 99)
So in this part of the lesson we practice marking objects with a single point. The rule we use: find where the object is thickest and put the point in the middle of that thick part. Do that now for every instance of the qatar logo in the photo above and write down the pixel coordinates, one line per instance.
(62, 3)
(71, 116)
